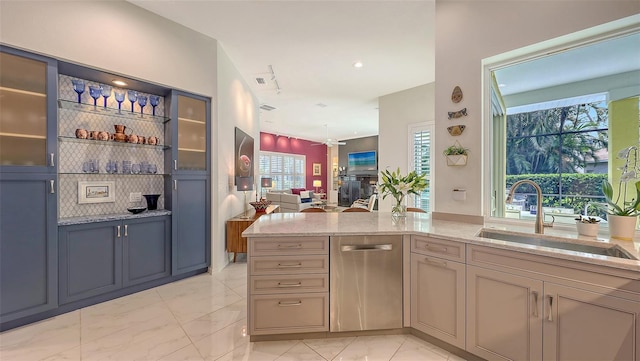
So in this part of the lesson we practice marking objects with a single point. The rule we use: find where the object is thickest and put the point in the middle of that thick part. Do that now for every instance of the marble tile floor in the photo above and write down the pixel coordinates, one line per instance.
(199, 318)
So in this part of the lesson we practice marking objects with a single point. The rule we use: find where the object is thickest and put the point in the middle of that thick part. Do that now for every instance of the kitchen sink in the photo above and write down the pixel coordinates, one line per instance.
(610, 251)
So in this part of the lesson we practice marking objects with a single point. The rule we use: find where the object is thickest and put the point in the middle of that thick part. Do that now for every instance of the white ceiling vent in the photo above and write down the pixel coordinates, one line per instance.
(260, 81)
(267, 107)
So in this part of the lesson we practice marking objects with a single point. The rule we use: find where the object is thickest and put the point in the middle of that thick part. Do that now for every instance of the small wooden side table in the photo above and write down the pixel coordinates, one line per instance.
(236, 225)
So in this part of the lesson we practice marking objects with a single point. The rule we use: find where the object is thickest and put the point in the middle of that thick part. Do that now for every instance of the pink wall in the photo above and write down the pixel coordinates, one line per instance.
(314, 154)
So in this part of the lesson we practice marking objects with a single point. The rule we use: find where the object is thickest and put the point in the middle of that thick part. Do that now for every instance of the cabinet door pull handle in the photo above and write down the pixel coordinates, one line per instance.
(289, 265)
(535, 303)
(289, 304)
(52, 184)
(436, 249)
(285, 285)
(126, 230)
(299, 245)
(118, 228)
(175, 164)
(436, 263)
(175, 184)
(53, 163)
(550, 304)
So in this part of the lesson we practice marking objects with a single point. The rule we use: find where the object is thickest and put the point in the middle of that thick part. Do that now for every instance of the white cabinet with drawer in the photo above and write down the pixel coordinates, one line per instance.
(288, 285)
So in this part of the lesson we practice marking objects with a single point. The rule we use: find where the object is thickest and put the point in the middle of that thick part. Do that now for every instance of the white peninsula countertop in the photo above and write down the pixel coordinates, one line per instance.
(382, 223)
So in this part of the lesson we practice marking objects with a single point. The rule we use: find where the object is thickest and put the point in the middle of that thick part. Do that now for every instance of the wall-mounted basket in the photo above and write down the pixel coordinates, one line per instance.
(456, 154)
(456, 160)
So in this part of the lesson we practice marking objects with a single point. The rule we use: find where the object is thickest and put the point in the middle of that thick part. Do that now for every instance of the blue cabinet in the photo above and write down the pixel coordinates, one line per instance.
(146, 253)
(28, 184)
(102, 257)
(188, 187)
(28, 243)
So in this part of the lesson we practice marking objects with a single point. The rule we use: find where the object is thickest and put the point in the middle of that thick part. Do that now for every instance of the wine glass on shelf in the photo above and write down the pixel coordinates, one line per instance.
(142, 100)
(119, 98)
(154, 100)
(78, 86)
(95, 92)
(105, 90)
(133, 96)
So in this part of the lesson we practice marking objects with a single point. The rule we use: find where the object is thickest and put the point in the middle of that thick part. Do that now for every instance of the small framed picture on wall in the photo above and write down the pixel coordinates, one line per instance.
(317, 169)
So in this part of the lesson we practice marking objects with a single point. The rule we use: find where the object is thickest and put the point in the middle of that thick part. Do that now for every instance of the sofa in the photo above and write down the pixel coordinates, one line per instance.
(290, 202)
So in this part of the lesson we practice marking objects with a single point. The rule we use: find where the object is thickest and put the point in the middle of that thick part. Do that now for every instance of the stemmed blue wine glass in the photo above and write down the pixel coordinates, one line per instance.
(142, 100)
(133, 96)
(106, 92)
(95, 92)
(78, 86)
(119, 99)
(154, 100)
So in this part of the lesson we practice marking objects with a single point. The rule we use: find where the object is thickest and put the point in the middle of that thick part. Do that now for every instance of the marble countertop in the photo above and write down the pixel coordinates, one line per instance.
(111, 217)
(381, 223)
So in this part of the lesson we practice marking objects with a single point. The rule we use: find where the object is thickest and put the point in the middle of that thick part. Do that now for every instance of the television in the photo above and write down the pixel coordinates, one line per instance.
(362, 161)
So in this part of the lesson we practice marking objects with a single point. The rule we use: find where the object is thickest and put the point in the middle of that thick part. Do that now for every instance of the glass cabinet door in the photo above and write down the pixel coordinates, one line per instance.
(192, 134)
(23, 111)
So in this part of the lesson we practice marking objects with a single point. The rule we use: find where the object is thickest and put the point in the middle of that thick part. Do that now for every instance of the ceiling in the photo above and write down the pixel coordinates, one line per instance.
(311, 47)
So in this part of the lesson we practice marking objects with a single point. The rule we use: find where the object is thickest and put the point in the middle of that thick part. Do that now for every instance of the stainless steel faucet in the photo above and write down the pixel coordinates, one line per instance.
(539, 227)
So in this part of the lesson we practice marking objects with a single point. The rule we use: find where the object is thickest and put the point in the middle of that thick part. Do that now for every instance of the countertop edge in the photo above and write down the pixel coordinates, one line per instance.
(111, 217)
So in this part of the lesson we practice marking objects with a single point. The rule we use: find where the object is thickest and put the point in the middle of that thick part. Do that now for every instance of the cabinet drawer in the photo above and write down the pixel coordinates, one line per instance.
(438, 247)
(262, 246)
(291, 313)
(288, 265)
(290, 283)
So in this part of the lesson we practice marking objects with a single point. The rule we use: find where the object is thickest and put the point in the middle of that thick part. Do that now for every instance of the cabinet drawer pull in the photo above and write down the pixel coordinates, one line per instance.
(435, 249)
(126, 230)
(535, 303)
(289, 304)
(286, 285)
(550, 305)
(118, 228)
(289, 265)
(52, 163)
(436, 263)
(299, 245)
(52, 183)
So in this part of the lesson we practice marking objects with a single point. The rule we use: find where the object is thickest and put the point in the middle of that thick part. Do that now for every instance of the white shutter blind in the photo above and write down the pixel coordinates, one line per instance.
(420, 159)
(286, 170)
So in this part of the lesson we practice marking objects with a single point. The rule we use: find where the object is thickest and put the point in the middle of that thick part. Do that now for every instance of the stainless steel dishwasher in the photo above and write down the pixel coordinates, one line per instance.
(366, 283)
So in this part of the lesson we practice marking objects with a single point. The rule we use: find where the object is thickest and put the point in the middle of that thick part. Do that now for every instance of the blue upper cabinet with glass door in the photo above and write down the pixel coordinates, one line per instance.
(188, 134)
(28, 185)
(28, 112)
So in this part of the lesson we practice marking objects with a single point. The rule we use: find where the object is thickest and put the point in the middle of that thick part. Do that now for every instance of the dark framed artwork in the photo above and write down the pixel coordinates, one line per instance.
(243, 154)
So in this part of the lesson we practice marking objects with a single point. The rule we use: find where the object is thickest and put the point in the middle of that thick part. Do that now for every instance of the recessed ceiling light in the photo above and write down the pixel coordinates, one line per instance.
(118, 82)
(502, 85)
(357, 64)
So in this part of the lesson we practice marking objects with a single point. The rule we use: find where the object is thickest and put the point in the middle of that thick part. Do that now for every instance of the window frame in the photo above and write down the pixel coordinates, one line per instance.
(491, 191)
(296, 158)
(412, 128)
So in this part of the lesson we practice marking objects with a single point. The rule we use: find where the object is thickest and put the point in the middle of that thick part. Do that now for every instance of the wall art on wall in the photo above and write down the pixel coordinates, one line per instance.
(243, 154)
(456, 95)
(96, 192)
(460, 113)
(317, 169)
(456, 130)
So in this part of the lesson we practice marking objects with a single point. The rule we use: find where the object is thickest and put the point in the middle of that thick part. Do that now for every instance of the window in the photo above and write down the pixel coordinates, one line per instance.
(420, 160)
(286, 170)
(557, 121)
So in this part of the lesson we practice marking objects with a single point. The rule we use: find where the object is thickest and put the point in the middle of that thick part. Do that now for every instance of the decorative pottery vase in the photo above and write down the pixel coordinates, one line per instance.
(399, 209)
(622, 227)
(152, 201)
(588, 229)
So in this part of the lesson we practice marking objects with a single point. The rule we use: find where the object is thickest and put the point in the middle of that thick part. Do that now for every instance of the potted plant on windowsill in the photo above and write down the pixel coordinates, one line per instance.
(456, 155)
(623, 216)
(587, 226)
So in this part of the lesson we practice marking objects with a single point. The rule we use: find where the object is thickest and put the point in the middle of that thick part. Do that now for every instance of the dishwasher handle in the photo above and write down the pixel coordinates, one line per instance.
(366, 247)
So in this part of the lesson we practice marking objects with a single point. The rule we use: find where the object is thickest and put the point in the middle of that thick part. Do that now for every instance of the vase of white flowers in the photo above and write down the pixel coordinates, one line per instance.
(622, 214)
(398, 186)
